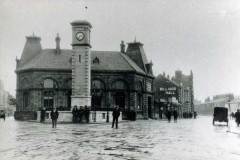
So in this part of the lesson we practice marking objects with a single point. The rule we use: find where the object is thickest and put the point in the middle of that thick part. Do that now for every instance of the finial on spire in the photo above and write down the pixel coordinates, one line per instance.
(135, 39)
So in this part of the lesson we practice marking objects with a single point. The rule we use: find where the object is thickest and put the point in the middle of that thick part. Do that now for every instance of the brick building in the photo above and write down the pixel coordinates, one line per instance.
(123, 78)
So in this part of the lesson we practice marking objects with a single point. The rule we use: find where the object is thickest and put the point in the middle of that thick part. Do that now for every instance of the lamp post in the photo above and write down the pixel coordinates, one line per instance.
(107, 120)
(94, 107)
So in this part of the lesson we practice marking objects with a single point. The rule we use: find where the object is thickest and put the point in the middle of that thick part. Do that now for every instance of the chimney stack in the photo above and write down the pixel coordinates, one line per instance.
(122, 46)
(57, 39)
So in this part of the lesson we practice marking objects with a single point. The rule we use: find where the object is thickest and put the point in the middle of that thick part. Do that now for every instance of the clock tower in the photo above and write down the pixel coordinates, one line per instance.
(81, 63)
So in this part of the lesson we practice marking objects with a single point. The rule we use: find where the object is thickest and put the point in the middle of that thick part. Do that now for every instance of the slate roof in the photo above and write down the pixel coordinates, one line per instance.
(161, 80)
(108, 61)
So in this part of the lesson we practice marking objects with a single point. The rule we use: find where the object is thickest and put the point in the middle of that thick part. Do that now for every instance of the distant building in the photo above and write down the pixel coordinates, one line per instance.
(3, 97)
(4, 100)
(166, 95)
(186, 92)
(221, 100)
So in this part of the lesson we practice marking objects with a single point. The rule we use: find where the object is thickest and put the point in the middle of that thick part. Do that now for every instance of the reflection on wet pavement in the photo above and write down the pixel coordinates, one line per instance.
(139, 140)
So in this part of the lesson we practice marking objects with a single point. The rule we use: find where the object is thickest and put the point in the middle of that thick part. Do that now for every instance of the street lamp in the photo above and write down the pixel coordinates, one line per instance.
(107, 112)
(94, 107)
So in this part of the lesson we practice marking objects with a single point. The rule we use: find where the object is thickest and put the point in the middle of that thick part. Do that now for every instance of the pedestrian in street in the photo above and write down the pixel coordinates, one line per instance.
(86, 113)
(115, 114)
(80, 113)
(169, 114)
(175, 115)
(237, 117)
(54, 117)
(42, 115)
(195, 114)
(2, 114)
(74, 114)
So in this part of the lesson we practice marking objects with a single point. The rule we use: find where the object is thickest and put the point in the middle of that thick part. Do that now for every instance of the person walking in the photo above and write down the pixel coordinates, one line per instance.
(42, 115)
(115, 114)
(74, 114)
(54, 117)
(195, 114)
(175, 115)
(237, 117)
(168, 114)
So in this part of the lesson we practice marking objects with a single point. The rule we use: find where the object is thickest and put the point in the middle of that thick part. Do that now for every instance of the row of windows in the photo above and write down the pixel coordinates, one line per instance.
(96, 84)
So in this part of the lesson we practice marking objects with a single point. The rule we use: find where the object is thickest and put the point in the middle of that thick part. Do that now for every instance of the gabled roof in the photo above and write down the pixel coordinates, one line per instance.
(108, 61)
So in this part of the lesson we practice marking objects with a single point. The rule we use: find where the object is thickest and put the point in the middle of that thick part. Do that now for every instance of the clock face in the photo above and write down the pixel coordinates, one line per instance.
(79, 36)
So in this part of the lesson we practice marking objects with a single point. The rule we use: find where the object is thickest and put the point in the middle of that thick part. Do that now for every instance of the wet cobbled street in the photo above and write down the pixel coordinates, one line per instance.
(188, 139)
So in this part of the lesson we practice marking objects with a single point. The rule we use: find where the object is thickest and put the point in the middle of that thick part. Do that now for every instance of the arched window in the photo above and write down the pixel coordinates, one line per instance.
(48, 83)
(48, 94)
(97, 93)
(139, 86)
(97, 84)
(120, 85)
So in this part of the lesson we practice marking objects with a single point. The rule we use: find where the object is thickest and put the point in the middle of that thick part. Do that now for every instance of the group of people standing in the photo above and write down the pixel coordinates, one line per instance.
(53, 114)
(78, 113)
(236, 115)
(169, 113)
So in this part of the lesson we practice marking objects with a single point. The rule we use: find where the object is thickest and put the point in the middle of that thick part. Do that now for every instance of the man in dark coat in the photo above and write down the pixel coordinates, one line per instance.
(80, 113)
(86, 113)
(115, 114)
(237, 117)
(54, 117)
(42, 115)
(74, 114)
(175, 115)
(168, 114)
(195, 114)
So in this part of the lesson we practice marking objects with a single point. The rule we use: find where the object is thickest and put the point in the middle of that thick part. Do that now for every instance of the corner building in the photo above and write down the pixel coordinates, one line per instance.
(45, 79)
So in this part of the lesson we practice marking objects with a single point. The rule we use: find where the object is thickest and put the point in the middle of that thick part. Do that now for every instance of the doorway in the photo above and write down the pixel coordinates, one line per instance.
(120, 99)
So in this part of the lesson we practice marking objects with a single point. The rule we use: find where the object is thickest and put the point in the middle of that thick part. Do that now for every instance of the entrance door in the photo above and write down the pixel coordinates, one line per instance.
(150, 107)
(120, 99)
(96, 101)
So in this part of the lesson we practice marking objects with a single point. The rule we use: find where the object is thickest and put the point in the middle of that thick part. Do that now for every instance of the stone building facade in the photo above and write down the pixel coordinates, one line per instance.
(123, 78)
(186, 92)
(166, 95)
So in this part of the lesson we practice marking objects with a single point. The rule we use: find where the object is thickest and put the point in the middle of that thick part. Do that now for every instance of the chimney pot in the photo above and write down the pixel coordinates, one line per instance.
(57, 39)
(122, 46)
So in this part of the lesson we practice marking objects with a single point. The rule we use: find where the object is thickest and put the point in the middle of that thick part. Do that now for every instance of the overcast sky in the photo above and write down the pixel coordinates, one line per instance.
(198, 35)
